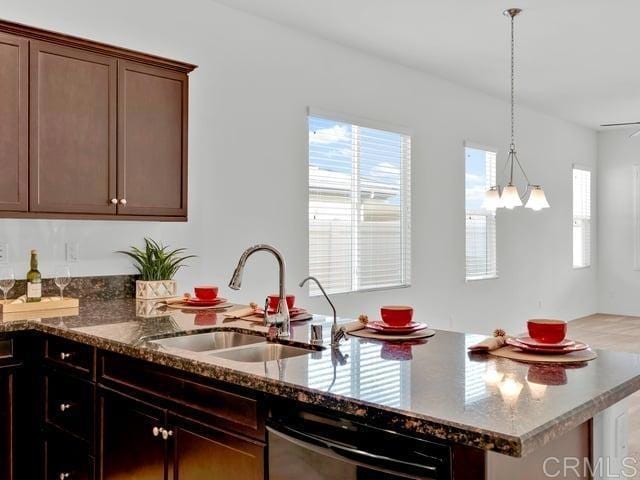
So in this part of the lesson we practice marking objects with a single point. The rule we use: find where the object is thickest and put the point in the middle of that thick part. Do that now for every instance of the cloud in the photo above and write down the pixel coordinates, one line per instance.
(337, 133)
(385, 169)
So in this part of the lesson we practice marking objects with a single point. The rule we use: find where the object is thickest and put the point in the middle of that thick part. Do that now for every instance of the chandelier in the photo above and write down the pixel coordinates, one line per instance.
(508, 196)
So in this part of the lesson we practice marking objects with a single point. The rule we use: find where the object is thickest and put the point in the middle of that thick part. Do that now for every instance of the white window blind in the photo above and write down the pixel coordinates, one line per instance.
(581, 217)
(480, 238)
(359, 206)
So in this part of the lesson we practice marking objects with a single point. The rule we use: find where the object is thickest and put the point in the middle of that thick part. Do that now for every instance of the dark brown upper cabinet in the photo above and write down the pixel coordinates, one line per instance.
(14, 135)
(90, 131)
(73, 130)
(152, 140)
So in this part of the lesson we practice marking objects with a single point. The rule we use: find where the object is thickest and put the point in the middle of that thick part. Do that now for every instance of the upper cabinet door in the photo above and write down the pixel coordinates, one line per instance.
(152, 140)
(14, 135)
(73, 130)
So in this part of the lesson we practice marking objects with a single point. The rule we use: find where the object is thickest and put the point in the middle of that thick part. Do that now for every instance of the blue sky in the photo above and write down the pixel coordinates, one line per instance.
(475, 178)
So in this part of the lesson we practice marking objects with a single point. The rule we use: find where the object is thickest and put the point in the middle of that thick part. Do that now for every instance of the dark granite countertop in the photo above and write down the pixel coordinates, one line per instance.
(434, 387)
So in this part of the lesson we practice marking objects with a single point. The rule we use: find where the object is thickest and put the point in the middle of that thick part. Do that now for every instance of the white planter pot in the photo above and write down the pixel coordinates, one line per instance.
(156, 289)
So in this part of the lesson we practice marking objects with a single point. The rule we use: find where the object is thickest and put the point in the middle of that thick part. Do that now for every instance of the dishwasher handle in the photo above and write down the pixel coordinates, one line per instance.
(351, 454)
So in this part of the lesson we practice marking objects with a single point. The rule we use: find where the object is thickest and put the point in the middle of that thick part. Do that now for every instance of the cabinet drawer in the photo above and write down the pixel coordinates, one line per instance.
(70, 355)
(69, 404)
(231, 410)
(65, 458)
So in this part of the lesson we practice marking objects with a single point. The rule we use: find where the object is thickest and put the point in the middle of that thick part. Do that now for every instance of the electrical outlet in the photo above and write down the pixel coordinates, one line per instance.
(72, 252)
(4, 254)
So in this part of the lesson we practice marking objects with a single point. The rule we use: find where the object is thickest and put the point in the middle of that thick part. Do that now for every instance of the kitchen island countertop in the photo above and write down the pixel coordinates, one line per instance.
(432, 387)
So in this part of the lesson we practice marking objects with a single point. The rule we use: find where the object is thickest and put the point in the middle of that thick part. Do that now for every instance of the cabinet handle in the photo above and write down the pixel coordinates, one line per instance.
(64, 475)
(166, 434)
(114, 201)
(156, 431)
(123, 201)
(64, 407)
(64, 355)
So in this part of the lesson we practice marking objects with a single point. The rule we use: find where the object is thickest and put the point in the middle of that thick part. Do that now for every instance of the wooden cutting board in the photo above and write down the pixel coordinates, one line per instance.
(47, 303)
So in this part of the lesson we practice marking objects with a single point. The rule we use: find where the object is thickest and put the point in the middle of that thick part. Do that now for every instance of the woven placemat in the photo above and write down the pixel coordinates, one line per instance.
(366, 333)
(517, 354)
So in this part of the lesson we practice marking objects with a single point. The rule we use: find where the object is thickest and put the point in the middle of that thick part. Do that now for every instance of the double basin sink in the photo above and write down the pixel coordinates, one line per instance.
(234, 346)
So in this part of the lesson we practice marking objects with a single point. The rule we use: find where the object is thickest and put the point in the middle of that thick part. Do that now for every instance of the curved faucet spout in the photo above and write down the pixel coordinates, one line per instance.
(336, 333)
(236, 281)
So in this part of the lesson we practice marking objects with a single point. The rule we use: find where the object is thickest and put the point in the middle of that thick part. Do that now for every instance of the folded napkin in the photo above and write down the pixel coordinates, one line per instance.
(240, 313)
(490, 343)
(352, 326)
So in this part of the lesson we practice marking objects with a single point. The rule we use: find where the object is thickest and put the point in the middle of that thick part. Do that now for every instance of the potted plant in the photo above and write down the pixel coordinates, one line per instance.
(157, 266)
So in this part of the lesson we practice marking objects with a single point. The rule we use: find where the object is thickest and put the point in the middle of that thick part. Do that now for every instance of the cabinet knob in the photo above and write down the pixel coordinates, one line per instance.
(166, 433)
(123, 201)
(64, 355)
(156, 431)
(64, 475)
(114, 201)
(64, 407)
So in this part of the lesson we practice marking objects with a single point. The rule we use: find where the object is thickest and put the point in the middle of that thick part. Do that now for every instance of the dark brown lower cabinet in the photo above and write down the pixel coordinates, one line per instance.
(199, 452)
(7, 424)
(130, 443)
(66, 458)
(140, 441)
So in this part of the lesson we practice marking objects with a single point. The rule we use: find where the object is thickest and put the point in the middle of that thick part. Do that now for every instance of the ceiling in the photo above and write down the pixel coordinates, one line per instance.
(577, 59)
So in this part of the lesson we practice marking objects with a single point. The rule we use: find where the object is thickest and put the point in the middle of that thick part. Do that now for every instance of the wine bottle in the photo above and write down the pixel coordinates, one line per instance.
(34, 280)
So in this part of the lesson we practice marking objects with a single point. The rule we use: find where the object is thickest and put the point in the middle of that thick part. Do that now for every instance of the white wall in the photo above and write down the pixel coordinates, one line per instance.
(248, 165)
(619, 283)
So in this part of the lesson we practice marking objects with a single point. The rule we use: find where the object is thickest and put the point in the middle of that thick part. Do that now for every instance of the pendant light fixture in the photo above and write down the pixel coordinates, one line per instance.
(509, 196)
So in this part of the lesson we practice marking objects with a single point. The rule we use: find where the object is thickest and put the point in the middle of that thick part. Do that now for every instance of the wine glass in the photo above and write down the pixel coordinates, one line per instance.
(62, 278)
(7, 280)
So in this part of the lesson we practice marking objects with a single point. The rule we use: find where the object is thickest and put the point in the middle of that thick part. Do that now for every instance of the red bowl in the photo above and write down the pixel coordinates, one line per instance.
(396, 315)
(275, 298)
(547, 331)
(206, 292)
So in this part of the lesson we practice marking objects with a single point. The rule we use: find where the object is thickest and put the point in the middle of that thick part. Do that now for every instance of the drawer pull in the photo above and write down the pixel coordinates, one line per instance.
(64, 355)
(64, 475)
(64, 407)
(166, 433)
(156, 431)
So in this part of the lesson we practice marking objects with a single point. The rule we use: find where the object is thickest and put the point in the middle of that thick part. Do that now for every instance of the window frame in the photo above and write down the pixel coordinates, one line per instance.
(585, 168)
(362, 122)
(486, 148)
(636, 216)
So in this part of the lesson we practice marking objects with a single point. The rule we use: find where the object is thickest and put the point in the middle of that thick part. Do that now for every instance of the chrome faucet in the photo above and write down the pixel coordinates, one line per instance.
(336, 333)
(281, 318)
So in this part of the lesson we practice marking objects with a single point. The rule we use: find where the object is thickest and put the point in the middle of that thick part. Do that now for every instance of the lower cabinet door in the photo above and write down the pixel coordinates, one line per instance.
(66, 459)
(204, 453)
(7, 425)
(131, 442)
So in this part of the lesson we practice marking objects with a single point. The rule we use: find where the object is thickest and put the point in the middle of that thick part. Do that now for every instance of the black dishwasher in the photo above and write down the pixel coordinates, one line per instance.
(317, 446)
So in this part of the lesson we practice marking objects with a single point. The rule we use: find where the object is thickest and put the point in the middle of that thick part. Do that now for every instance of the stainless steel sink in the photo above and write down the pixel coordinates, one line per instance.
(264, 352)
(202, 342)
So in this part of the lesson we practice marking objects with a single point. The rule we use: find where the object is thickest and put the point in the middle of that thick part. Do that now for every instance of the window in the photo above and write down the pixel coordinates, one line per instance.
(359, 206)
(581, 217)
(480, 238)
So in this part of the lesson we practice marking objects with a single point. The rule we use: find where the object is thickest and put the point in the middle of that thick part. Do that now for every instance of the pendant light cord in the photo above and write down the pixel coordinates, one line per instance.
(513, 96)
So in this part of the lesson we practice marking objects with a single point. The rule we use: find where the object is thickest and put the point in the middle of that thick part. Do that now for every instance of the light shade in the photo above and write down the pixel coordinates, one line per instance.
(491, 199)
(510, 197)
(537, 199)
